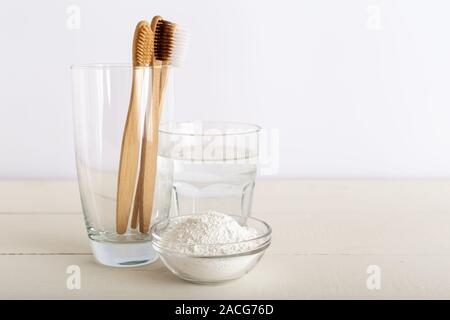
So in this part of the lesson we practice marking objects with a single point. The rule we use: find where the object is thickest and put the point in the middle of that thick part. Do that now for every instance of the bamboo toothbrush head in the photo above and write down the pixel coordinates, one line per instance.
(154, 23)
(170, 42)
(143, 45)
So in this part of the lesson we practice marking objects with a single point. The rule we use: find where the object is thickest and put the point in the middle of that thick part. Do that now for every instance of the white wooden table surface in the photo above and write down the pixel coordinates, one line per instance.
(326, 234)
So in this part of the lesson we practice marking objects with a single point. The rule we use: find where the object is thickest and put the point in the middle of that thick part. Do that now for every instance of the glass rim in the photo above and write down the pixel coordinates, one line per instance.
(100, 65)
(106, 66)
(249, 128)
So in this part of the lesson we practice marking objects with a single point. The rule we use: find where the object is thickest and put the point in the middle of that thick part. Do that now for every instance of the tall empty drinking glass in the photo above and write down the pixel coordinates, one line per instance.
(101, 96)
(214, 165)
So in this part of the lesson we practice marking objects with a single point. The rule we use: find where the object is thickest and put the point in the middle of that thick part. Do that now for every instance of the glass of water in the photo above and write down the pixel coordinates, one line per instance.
(214, 165)
(101, 95)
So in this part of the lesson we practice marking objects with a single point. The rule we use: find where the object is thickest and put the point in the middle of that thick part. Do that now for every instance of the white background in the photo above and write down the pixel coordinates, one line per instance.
(356, 88)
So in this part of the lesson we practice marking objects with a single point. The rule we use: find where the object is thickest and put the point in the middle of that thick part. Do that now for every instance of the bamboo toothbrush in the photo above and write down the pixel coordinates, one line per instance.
(130, 152)
(167, 40)
(150, 142)
(148, 136)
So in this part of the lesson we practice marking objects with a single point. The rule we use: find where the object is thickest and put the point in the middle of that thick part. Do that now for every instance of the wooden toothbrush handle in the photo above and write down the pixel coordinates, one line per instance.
(165, 68)
(146, 141)
(150, 152)
(129, 157)
(137, 207)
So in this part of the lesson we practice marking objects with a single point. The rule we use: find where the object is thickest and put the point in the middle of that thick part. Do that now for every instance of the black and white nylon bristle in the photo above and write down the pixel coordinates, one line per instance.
(170, 43)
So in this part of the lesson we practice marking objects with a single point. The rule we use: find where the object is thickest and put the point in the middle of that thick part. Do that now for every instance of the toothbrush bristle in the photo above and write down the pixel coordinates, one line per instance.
(170, 43)
(143, 48)
(180, 47)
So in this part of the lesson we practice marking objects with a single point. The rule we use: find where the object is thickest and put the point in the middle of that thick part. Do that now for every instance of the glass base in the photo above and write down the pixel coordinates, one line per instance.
(123, 255)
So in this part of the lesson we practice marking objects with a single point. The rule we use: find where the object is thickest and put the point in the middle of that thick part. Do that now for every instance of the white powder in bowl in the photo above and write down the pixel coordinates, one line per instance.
(192, 235)
(193, 242)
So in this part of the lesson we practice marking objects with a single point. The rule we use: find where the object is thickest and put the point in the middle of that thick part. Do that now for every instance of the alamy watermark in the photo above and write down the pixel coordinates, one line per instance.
(73, 19)
(258, 148)
(373, 21)
(373, 281)
(73, 281)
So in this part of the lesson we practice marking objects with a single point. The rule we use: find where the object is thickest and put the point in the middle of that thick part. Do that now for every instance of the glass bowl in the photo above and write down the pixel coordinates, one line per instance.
(229, 261)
